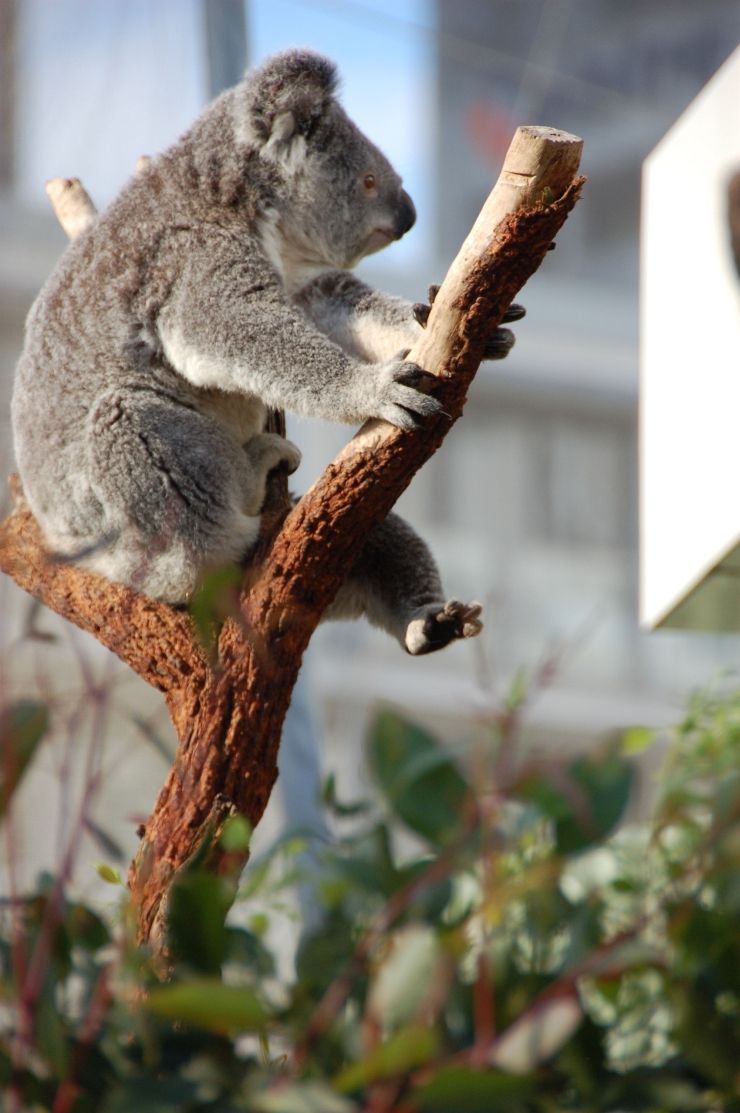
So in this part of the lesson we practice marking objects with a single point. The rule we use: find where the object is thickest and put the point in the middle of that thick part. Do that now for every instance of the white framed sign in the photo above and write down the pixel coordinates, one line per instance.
(690, 366)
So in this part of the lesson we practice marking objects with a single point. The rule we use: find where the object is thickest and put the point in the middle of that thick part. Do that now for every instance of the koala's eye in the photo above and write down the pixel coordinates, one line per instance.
(370, 183)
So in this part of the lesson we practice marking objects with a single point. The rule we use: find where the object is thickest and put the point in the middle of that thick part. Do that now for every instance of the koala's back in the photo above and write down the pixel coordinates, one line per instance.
(101, 420)
(77, 345)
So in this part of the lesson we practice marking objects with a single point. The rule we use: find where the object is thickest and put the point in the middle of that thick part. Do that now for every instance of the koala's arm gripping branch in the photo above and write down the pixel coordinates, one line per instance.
(530, 202)
(229, 716)
(535, 191)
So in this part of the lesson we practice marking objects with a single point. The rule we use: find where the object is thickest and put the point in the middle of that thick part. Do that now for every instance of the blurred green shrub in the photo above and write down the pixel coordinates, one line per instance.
(534, 954)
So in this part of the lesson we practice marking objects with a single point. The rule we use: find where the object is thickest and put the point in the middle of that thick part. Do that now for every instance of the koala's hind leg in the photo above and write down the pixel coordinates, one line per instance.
(396, 585)
(174, 484)
(265, 451)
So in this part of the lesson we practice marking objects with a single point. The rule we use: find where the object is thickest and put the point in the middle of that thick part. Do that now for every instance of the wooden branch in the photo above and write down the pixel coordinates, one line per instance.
(228, 714)
(540, 166)
(72, 205)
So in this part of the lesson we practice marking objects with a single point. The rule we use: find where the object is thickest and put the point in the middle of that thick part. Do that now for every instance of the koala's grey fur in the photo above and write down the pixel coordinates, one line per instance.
(216, 285)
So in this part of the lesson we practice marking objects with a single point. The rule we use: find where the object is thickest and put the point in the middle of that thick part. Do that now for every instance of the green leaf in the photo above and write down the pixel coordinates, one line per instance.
(196, 920)
(208, 1003)
(409, 1048)
(22, 727)
(422, 784)
(215, 600)
(537, 1035)
(586, 802)
(259, 922)
(236, 834)
(109, 874)
(404, 980)
(301, 1097)
(637, 739)
(150, 1095)
(85, 928)
(49, 1032)
(330, 800)
(606, 782)
(368, 862)
(518, 691)
(430, 899)
(464, 1090)
(322, 955)
(248, 951)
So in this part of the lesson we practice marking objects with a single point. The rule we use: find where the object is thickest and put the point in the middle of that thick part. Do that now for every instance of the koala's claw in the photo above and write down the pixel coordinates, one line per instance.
(421, 313)
(436, 625)
(406, 409)
(410, 374)
(515, 312)
(421, 310)
(402, 398)
(502, 341)
(500, 344)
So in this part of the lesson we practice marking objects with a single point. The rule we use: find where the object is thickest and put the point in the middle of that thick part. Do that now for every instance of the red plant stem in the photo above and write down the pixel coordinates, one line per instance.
(92, 1022)
(39, 964)
(483, 1009)
(338, 991)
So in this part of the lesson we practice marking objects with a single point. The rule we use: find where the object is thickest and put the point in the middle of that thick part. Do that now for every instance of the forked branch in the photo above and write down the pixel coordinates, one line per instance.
(228, 713)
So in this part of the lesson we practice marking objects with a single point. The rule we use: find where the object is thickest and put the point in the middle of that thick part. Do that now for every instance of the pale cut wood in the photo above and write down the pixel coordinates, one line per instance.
(72, 205)
(539, 167)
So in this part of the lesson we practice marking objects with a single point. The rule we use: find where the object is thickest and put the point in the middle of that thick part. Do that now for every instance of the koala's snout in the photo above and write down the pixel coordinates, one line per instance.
(406, 216)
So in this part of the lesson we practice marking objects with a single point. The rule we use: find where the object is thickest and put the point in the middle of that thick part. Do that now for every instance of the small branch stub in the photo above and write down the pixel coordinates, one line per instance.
(72, 205)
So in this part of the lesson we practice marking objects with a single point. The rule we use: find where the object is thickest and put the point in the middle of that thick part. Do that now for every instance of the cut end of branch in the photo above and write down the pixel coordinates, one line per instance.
(72, 205)
(541, 133)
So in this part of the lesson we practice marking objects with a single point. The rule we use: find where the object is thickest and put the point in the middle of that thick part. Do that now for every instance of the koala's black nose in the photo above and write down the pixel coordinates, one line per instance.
(406, 215)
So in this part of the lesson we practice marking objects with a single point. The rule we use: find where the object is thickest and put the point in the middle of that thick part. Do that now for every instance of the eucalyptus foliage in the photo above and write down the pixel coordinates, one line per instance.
(496, 936)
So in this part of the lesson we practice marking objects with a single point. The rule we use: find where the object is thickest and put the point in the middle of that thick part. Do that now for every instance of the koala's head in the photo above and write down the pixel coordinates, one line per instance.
(338, 197)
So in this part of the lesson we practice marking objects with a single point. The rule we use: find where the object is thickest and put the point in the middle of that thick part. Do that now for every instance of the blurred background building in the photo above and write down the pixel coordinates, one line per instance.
(531, 506)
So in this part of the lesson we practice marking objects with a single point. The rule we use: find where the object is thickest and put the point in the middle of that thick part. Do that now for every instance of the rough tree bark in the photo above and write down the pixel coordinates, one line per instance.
(228, 709)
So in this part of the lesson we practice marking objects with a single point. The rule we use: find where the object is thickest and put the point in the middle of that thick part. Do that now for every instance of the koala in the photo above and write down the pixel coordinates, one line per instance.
(217, 285)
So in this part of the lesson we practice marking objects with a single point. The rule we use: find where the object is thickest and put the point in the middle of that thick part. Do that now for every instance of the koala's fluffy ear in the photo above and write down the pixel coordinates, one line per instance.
(287, 96)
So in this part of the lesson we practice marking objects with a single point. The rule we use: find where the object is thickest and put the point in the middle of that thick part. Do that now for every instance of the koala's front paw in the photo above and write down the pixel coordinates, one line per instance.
(399, 396)
(502, 341)
(500, 344)
(436, 625)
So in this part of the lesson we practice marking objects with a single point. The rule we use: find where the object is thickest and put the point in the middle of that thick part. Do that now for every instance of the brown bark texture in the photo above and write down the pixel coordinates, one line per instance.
(228, 705)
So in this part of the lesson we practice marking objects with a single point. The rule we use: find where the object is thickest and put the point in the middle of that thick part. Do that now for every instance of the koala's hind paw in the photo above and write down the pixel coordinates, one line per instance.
(266, 451)
(290, 458)
(436, 625)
